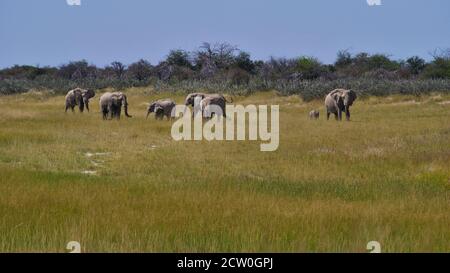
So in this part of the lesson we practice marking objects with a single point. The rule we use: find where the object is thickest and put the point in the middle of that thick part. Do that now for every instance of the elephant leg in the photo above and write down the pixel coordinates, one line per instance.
(87, 106)
(73, 108)
(119, 110)
(347, 114)
(328, 115)
(339, 115)
(110, 111)
(67, 108)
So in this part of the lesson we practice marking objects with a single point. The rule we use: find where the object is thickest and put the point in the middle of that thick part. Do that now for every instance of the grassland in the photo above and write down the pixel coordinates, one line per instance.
(127, 186)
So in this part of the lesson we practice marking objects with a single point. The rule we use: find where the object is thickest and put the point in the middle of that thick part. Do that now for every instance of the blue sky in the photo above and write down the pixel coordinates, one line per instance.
(50, 32)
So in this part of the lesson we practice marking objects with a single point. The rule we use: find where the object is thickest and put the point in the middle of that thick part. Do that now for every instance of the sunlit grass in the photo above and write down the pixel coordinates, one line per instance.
(127, 186)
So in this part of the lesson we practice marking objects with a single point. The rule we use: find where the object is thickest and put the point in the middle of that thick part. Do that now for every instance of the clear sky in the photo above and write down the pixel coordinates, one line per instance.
(50, 32)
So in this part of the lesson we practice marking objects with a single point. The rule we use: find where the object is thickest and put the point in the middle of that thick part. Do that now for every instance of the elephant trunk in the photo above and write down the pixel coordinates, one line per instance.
(81, 104)
(125, 108)
(347, 112)
(86, 103)
(126, 111)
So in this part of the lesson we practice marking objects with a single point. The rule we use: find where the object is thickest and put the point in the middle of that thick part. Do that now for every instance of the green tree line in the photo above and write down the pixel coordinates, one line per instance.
(224, 67)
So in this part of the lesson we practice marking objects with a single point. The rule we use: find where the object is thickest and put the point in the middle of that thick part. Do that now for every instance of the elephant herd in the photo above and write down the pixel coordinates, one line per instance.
(337, 102)
(111, 103)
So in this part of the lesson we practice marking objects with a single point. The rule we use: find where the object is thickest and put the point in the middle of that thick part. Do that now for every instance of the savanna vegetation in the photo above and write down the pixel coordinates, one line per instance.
(225, 68)
(127, 186)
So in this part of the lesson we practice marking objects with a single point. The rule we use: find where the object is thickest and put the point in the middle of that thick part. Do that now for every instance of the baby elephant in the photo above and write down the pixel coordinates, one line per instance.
(314, 114)
(161, 108)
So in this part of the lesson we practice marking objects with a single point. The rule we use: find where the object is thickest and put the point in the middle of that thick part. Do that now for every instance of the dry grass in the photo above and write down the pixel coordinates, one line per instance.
(126, 186)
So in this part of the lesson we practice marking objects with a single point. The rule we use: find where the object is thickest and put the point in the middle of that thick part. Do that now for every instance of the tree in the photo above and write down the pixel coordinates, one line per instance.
(224, 54)
(344, 58)
(381, 61)
(439, 68)
(277, 68)
(140, 70)
(26, 71)
(415, 65)
(309, 67)
(118, 68)
(77, 70)
(179, 57)
(244, 62)
(219, 55)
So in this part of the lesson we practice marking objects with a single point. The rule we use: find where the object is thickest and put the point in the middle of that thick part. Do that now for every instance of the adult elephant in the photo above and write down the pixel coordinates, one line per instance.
(207, 106)
(79, 97)
(338, 101)
(207, 99)
(161, 108)
(111, 103)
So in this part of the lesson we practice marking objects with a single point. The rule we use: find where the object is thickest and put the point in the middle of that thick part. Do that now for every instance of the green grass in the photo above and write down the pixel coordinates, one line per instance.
(330, 186)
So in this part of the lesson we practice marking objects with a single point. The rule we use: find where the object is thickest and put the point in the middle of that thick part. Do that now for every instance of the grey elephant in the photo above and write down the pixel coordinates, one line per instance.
(314, 114)
(161, 108)
(207, 103)
(111, 103)
(208, 99)
(338, 101)
(191, 98)
(79, 97)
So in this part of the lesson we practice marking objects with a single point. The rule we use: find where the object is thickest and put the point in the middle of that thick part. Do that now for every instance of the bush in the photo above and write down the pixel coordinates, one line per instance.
(222, 67)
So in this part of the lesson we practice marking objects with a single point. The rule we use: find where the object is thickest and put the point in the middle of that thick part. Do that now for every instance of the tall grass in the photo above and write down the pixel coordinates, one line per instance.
(329, 187)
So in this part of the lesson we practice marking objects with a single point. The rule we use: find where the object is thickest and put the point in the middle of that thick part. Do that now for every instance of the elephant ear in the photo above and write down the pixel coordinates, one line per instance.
(115, 98)
(337, 96)
(187, 100)
(159, 109)
(190, 99)
(124, 100)
(89, 94)
(352, 95)
(151, 107)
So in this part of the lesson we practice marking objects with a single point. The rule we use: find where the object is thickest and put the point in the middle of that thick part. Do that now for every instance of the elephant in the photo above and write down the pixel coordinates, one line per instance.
(111, 103)
(161, 108)
(314, 114)
(191, 98)
(338, 101)
(79, 97)
(208, 99)
(205, 105)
